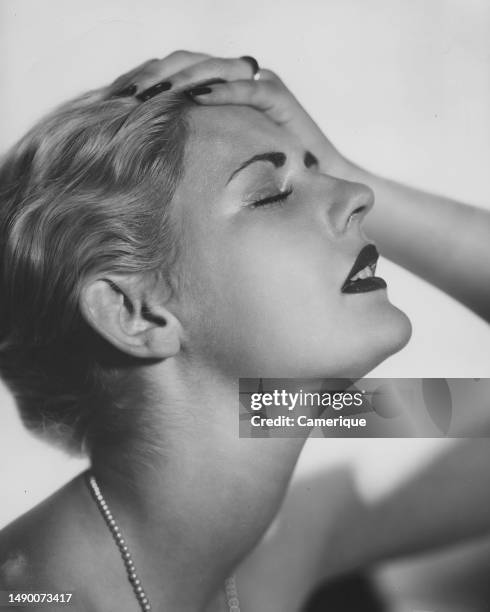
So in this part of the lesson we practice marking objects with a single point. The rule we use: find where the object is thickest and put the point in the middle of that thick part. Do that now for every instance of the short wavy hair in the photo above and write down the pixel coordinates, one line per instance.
(87, 190)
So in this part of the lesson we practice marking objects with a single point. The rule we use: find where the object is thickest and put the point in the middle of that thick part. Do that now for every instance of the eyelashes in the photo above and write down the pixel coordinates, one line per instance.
(277, 199)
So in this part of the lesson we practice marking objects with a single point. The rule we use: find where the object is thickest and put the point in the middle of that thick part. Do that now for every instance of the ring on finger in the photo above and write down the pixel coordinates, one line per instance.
(254, 64)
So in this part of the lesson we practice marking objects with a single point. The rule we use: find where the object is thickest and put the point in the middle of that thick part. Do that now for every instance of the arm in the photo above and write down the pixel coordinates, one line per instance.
(335, 529)
(443, 504)
(445, 242)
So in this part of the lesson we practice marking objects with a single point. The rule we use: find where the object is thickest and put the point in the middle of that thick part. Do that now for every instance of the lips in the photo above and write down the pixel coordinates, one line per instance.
(361, 277)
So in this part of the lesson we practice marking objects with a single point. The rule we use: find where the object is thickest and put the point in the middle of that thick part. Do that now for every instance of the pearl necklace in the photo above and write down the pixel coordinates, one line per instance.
(230, 583)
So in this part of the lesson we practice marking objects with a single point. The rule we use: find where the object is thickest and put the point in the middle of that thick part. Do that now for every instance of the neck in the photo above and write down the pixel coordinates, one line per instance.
(199, 500)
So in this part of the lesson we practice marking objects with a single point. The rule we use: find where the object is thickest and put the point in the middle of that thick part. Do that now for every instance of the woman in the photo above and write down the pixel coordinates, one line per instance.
(162, 237)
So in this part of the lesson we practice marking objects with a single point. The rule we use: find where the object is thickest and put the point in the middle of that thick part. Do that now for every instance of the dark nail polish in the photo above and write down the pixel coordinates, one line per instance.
(154, 90)
(129, 90)
(198, 91)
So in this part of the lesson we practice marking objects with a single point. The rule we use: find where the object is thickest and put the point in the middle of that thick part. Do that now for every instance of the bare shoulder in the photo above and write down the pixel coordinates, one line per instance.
(43, 550)
(24, 546)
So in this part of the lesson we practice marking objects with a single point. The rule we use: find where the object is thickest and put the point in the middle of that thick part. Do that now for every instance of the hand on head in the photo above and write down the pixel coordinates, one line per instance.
(211, 81)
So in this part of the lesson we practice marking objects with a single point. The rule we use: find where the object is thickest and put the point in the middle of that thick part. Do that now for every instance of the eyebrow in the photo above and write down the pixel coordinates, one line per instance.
(276, 158)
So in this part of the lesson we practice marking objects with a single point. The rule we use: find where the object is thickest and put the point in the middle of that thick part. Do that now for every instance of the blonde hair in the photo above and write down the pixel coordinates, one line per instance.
(88, 189)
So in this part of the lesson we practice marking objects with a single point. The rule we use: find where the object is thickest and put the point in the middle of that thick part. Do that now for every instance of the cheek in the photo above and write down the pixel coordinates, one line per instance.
(273, 307)
(276, 309)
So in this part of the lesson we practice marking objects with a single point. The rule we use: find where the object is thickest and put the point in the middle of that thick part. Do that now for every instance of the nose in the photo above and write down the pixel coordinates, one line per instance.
(352, 201)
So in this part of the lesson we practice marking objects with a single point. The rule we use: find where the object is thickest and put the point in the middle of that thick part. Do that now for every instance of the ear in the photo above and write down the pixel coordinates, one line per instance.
(131, 315)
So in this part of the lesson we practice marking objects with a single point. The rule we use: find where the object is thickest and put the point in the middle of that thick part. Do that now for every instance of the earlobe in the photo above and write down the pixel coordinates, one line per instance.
(119, 311)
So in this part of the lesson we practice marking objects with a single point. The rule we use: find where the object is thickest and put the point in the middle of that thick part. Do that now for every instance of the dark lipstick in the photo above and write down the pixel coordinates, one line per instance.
(367, 258)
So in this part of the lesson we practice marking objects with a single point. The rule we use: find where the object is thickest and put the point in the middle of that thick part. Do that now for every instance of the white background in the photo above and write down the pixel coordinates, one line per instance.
(401, 87)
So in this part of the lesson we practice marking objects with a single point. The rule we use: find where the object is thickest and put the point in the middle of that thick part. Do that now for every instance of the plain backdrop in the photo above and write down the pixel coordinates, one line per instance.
(401, 87)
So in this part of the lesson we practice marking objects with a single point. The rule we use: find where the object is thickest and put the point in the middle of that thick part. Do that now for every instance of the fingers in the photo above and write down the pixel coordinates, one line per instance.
(125, 85)
(182, 70)
(176, 62)
(186, 70)
(268, 95)
(154, 71)
(228, 69)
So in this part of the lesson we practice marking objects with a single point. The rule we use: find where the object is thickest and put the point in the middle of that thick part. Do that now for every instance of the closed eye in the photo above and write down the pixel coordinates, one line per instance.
(274, 199)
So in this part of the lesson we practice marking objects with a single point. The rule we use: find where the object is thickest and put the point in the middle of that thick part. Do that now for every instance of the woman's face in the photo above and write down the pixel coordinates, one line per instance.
(262, 283)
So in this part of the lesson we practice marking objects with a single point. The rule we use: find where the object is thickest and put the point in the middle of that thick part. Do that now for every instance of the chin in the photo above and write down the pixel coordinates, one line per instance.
(406, 332)
(395, 336)
(385, 339)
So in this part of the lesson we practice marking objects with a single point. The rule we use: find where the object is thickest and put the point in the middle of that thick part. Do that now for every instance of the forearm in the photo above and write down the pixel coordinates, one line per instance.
(444, 503)
(443, 241)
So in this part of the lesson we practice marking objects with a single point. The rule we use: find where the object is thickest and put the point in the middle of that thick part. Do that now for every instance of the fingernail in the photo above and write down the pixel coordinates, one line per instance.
(199, 91)
(129, 90)
(154, 90)
(203, 88)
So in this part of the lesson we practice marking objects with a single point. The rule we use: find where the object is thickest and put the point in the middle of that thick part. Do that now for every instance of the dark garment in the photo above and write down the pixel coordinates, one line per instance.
(351, 593)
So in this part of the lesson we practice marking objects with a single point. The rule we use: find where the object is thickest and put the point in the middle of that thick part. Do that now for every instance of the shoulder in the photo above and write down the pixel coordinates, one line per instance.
(13, 562)
(43, 550)
(22, 547)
